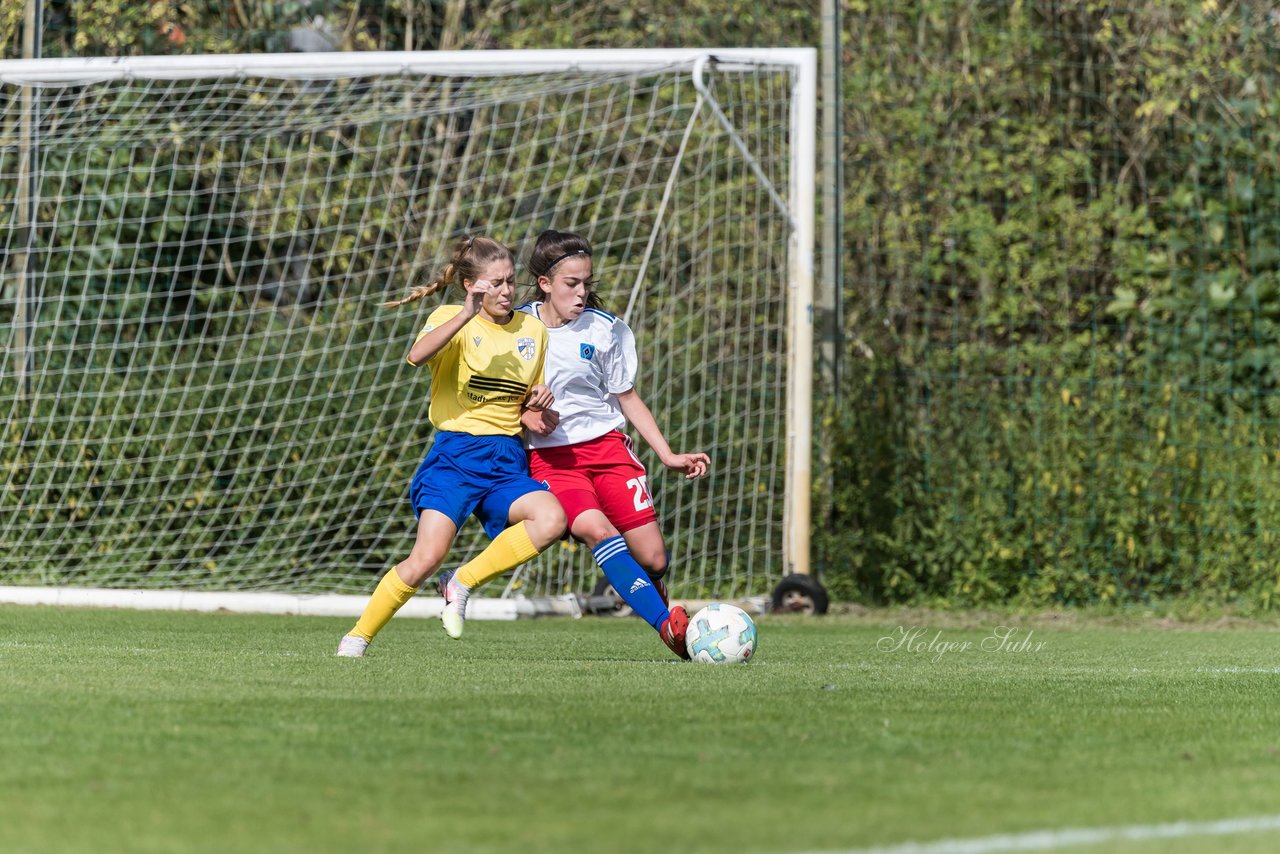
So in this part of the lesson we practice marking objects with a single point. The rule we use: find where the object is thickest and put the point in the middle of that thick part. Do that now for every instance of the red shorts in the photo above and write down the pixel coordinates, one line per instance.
(601, 474)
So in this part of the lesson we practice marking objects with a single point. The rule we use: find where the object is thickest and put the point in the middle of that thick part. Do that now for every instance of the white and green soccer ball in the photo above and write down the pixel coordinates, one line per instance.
(721, 634)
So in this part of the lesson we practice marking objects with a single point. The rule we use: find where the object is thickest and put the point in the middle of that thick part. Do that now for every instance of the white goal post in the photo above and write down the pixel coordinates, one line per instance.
(205, 396)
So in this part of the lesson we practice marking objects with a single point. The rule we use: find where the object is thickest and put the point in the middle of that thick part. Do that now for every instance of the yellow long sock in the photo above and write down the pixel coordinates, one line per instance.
(507, 551)
(392, 592)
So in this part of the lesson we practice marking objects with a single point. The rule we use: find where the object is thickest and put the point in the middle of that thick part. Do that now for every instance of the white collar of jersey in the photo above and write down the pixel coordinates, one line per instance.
(537, 312)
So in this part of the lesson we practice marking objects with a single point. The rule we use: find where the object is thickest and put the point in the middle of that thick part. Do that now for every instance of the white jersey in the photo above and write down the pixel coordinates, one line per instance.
(589, 363)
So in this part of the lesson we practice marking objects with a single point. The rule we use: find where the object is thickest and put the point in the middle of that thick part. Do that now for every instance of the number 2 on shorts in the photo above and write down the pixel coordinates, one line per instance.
(640, 486)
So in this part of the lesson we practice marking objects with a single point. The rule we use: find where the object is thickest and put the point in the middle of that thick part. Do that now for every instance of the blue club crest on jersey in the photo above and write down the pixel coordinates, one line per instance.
(586, 351)
(526, 348)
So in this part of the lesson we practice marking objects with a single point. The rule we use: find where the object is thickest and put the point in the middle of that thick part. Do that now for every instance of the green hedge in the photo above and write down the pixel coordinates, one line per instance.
(980, 479)
(1065, 285)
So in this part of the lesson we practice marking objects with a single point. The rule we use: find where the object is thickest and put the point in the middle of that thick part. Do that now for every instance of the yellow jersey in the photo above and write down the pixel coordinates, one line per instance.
(482, 376)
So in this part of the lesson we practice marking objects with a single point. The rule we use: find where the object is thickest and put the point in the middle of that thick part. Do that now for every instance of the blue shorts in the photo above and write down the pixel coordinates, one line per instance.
(465, 474)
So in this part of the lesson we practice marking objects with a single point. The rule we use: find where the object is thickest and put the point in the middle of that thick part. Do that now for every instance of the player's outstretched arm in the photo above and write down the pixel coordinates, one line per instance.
(637, 412)
(435, 340)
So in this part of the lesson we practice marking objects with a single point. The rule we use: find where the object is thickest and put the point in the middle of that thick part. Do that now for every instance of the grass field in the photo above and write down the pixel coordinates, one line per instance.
(142, 732)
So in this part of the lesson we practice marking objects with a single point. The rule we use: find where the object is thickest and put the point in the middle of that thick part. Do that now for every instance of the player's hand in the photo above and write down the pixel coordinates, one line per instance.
(475, 295)
(540, 421)
(540, 397)
(693, 465)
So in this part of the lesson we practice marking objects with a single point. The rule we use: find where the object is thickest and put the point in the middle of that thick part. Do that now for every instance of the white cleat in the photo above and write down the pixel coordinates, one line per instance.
(352, 646)
(455, 606)
(452, 621)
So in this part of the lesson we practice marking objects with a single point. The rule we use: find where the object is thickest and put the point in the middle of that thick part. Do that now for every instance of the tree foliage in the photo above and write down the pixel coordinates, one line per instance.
(1062, 224)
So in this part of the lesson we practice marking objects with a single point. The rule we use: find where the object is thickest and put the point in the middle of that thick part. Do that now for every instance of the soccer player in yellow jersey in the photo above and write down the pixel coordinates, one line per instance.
(486, 365)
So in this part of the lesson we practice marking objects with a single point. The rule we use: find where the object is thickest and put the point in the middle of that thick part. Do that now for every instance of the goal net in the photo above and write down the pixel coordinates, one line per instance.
(202, 390)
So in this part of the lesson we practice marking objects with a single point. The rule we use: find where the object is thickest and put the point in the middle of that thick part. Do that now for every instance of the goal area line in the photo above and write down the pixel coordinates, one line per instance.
(1053, 840)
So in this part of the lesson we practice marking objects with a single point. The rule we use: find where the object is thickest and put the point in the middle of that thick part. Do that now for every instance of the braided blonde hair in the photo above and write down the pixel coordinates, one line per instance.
(470, 258)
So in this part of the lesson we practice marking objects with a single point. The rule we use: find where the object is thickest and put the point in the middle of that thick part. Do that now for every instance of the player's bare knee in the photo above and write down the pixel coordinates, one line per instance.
(593, 533)
(547, 526)
(411, 574)
(654, 564)
(417, 567)
(558, 521)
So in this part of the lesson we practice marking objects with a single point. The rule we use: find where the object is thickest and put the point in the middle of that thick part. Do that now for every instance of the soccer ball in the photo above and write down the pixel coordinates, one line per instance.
(721, 634)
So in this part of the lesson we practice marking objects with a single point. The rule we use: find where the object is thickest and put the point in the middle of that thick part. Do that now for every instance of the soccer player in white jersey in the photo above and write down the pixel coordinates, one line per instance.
(486, 365)
(578, 448)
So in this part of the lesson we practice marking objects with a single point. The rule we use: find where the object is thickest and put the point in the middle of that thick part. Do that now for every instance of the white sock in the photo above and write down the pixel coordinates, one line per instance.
(459, 593)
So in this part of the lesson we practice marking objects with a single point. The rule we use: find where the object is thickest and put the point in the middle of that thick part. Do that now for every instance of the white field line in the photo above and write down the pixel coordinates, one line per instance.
(1048, 840)
(1238, 670)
